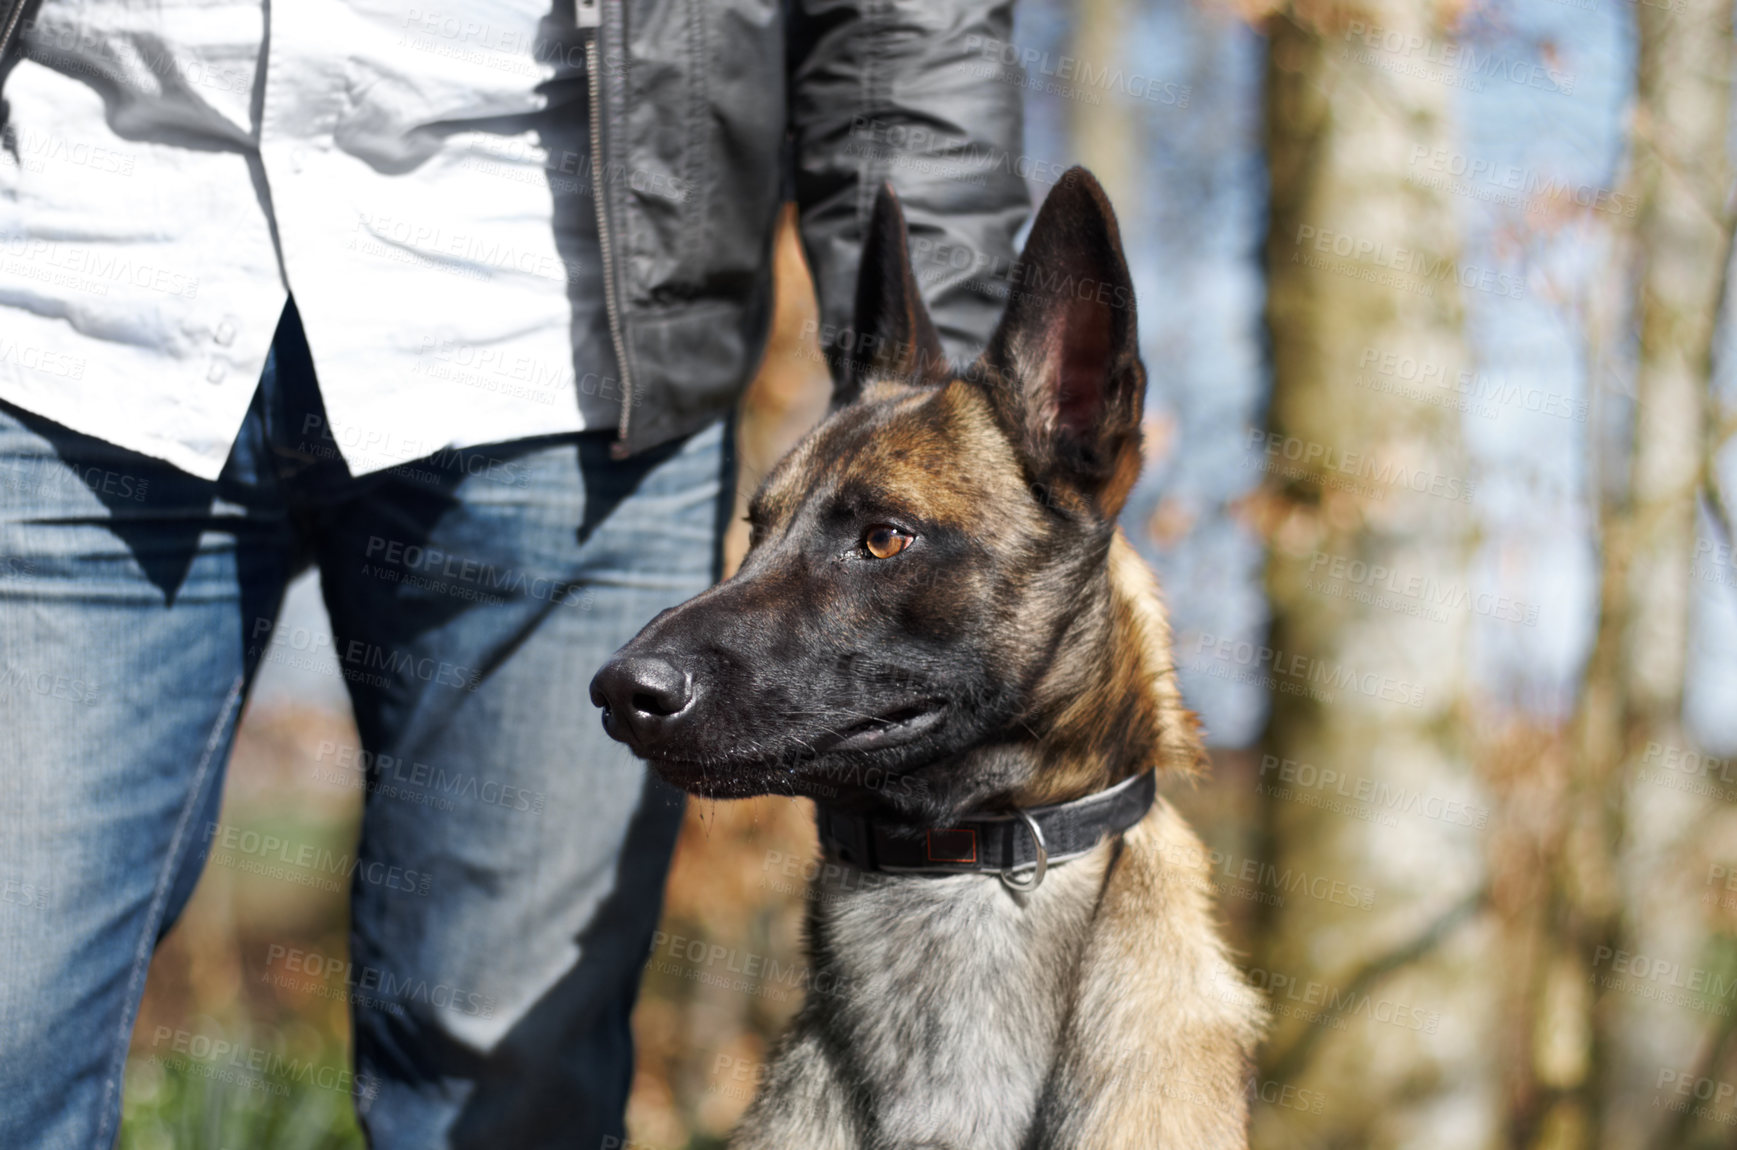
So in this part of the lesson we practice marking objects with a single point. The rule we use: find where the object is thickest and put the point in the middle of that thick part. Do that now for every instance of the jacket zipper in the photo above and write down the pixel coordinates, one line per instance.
(10, 19)
(589, 17)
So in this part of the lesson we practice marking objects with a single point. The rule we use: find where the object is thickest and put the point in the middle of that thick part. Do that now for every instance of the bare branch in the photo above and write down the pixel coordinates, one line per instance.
(1288, 1064)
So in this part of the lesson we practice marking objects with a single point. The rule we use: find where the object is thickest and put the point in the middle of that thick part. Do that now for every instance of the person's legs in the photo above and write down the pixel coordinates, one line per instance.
(513, 857)
(123, 664)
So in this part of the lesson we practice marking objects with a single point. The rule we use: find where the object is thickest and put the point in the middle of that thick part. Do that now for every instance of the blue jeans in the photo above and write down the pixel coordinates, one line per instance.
(498, 934)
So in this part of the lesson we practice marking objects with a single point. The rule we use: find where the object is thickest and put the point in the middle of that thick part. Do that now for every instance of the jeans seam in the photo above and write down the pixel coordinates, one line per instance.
(165, 880)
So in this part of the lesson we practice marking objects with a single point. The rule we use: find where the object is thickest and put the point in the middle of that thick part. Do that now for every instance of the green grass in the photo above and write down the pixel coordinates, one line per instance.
(297, 1100)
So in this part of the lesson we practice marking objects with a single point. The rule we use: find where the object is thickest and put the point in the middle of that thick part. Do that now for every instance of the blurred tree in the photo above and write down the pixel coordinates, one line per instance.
(1615, 851)
(1106, 131)
(1365, 510)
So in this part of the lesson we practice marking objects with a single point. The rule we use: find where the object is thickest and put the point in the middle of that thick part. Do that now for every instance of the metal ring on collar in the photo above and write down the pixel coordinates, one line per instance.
(1042, 858)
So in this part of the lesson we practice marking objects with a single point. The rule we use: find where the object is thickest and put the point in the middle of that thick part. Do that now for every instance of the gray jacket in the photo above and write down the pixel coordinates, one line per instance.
(701, 109)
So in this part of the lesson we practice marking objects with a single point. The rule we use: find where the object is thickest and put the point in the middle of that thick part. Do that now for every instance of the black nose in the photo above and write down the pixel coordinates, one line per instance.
(641, 697)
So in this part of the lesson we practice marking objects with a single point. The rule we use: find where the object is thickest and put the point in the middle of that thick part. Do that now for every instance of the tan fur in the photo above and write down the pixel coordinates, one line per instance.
(1140, 669)
(1152, 664)
(1156, 1050)
(1157, 1047)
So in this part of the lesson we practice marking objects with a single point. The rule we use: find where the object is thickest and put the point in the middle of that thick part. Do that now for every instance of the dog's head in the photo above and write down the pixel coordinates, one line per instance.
(926, 577)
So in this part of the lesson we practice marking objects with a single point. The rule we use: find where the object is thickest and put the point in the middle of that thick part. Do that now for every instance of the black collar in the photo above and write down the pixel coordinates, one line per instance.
(989, 843)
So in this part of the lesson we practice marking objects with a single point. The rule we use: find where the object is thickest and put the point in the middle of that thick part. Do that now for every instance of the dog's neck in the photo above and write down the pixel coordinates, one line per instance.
(951, 1066)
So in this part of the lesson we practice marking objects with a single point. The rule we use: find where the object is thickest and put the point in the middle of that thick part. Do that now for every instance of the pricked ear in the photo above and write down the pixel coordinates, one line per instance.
(894, 336)
(1066, 359)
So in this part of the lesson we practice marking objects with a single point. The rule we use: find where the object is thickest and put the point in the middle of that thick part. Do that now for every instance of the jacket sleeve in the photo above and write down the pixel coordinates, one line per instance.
(915, 93)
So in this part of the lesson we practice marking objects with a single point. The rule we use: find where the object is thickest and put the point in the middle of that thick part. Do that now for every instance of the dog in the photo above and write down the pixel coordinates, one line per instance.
(940, 635)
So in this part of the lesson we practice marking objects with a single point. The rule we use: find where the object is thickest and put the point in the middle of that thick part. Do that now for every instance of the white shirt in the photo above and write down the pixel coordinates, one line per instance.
(424, 169)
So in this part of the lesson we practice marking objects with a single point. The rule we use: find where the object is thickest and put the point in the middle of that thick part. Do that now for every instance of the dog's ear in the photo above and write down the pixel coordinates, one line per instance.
(894, 336)
(1065, 362)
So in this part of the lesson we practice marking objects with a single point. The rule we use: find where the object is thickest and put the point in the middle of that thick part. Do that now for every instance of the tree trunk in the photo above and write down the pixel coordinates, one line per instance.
(1615, 882)
(1105, 129)
(1366, 510)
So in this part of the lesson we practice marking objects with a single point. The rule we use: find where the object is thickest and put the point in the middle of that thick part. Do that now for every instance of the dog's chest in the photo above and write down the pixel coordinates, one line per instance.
(951, 997)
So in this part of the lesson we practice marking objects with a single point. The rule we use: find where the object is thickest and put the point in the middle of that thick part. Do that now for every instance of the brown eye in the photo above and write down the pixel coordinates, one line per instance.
(883, 541)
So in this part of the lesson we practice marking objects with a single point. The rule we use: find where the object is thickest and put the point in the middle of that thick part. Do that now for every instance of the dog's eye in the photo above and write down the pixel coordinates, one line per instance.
(884, 541)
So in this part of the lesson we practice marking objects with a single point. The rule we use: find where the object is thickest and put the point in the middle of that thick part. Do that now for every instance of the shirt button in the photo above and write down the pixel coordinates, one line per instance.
(216, 372)
(225, 332)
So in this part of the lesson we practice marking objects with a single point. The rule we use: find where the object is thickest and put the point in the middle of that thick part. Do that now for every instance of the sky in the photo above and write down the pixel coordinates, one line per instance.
(1194, 235)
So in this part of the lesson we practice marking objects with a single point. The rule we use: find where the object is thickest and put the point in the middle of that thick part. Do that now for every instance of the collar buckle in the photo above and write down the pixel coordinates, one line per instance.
(1026, 886)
